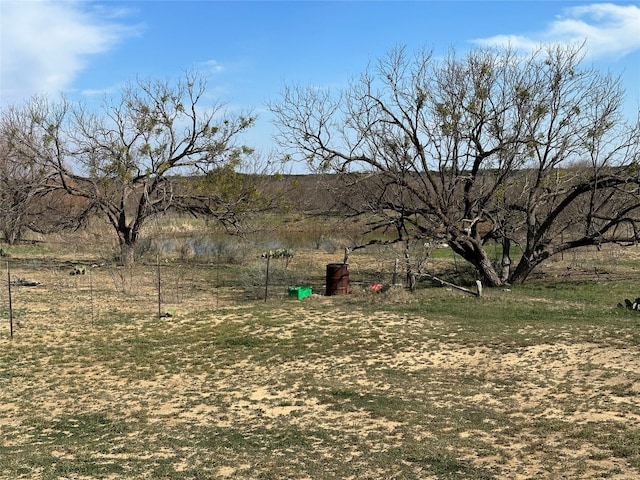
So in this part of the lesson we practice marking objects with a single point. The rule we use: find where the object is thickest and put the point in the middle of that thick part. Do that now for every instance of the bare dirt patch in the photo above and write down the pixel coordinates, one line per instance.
(94, 385)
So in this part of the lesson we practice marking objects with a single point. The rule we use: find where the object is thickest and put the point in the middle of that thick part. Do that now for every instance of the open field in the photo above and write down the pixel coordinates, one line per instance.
(534, 382)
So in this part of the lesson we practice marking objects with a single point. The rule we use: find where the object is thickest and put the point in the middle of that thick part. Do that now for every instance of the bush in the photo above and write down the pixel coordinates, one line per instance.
(224, 250)
(253, 280)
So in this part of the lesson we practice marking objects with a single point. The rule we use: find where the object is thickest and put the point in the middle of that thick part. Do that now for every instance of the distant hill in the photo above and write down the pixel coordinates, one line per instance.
(321, 193)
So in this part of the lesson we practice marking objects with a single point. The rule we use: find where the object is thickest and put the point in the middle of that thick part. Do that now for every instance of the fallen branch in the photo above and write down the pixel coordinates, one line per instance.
(23, 282)
(477, 293)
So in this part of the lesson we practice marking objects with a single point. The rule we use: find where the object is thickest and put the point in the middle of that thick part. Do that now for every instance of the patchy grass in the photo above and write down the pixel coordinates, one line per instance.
(539, 381)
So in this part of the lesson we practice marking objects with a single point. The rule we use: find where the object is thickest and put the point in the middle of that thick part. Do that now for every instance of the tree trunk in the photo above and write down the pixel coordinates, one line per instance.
(127, 243)
(11, 236)
(524, 269)
(12, 227)
(472, 250)
(486, 270)
(127, 254)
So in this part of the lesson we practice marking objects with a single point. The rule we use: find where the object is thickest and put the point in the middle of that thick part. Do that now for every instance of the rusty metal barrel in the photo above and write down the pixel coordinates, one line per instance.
(337, 279)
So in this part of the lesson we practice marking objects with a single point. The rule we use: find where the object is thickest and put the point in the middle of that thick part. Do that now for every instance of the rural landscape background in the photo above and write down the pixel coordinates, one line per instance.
(166, 300)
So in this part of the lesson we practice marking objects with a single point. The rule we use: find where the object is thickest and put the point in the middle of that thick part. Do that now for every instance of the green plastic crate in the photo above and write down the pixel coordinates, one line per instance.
(299, 292)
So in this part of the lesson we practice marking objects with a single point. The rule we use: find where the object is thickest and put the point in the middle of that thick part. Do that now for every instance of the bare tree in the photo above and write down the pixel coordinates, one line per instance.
(138, 155)
(487, 147)
(23, 182)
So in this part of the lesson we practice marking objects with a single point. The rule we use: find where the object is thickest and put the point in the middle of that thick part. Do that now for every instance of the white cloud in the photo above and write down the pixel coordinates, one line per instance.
(213, 66)
(45, 44)
(93, 92)
(608, 30)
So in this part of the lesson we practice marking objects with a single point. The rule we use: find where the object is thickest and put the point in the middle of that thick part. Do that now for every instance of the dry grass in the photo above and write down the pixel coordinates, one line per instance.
(538, 382)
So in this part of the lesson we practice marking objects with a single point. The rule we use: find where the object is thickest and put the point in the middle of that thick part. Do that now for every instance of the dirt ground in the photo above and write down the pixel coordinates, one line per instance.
(543, 410)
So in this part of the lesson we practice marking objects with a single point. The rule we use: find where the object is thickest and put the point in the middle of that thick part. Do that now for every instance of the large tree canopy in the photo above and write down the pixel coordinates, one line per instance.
(22, 184)
(130, 158)
(486, 147)
(28, 196)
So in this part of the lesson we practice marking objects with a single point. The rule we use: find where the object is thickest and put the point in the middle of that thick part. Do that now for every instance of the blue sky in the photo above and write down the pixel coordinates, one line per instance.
(89, 48)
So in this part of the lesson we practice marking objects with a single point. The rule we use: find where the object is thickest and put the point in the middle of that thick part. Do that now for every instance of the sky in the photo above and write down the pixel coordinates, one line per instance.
(250, 49)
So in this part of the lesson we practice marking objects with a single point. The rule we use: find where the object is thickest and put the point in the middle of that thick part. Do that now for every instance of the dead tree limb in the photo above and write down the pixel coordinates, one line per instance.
(477, 293)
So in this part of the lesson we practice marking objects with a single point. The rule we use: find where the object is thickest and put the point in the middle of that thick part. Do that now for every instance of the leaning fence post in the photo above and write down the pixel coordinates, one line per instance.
(394, 278)
(266, 282)
(159, 285)
(91, 294)
(10, 301)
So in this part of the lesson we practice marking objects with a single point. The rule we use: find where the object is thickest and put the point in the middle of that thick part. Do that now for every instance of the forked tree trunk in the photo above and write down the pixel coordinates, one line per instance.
(127, 243)
(487, 271)
(128, 235)
(12, 237)
(523, 270)
(12, 228)
(472, 250)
